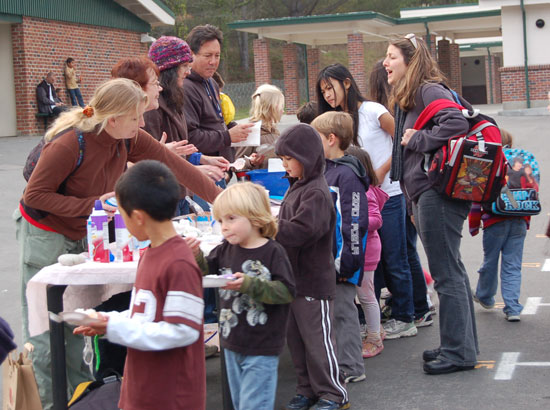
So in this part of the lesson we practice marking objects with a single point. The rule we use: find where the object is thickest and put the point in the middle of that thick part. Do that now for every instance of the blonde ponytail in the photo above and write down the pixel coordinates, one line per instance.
(119, 96)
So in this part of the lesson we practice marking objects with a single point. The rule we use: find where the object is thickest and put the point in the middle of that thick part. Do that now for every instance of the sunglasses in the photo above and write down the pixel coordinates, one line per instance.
(412, 38)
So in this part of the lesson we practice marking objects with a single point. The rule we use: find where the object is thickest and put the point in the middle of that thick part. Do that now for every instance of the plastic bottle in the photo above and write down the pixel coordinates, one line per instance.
(203, 224)
(139, 247)
(202, 221)
(99, 235)
(123, 240)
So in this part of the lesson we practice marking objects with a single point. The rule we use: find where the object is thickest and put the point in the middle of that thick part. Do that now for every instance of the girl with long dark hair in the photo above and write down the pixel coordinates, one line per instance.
(374, 126)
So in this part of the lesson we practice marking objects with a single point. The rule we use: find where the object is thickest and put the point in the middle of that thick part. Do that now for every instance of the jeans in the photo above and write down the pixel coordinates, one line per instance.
(417, 273)
(75, 95)
(439, 222)
(394, 266)
(252, 380)
(504, 237)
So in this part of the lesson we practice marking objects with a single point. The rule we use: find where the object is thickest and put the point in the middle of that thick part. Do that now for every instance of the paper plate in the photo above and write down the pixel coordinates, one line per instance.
(78, 319)
(214, 281)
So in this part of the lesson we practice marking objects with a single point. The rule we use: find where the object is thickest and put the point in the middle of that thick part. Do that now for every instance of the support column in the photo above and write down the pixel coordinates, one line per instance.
(262, 64)
(312, 71)
(448, 59)
(455, 72)
(290, 70)
(430, 43)
(492, 78)
(444, 57)
(356, 61)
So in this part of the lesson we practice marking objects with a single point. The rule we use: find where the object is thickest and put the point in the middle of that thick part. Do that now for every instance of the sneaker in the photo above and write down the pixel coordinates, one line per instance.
(396, 329)
(385, 293)
(386, 314)
(299, 402)
(512, 318)
(324, 404)
(363, 331)
(210, 350)
(425, 320)
(371, 349)
(382, 333)
(483, 305)
(354, 379)
(433, 310)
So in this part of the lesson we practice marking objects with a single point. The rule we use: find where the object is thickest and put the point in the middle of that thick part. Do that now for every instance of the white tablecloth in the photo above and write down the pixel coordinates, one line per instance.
(89, 284)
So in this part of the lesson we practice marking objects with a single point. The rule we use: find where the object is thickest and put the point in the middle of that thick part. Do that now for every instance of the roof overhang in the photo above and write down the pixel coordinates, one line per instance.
(334, 28)
(480, 48)
(154, 12)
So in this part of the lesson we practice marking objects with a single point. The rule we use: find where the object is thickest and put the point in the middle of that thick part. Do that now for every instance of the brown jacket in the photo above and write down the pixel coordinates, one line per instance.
(166, 119)
(103, 163)
(206, 129)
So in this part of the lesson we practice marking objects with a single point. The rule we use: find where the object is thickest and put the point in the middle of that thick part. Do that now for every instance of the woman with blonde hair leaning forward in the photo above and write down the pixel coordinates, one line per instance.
(416, 82)
(60, 193)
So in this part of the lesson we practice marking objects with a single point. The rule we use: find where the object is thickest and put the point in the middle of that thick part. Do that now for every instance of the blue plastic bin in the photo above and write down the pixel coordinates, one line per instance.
(272, 181)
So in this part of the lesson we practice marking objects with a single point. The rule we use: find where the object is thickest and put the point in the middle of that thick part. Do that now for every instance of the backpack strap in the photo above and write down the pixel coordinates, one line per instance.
(81, 148)
(433, 108)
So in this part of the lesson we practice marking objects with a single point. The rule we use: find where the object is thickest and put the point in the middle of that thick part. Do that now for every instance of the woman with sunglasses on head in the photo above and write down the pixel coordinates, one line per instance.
(417, 81)
(374, 127)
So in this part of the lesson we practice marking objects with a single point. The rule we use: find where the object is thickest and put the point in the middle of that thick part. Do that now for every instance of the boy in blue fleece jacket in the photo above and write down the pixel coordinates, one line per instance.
(348, 182)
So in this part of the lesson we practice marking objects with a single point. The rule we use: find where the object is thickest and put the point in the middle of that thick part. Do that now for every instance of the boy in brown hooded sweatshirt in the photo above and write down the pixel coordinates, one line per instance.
(306, 230)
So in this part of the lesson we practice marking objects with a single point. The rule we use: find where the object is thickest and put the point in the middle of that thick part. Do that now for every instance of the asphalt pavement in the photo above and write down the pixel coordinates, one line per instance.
(514, 364)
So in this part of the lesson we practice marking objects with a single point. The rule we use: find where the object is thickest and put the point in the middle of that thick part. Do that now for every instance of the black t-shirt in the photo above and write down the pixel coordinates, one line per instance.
(248, 326)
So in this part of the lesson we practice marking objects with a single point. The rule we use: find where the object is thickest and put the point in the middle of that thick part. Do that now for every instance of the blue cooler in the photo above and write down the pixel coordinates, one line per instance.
(272, 181)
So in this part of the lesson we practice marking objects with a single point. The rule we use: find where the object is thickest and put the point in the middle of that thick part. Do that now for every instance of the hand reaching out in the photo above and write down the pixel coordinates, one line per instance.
(214, 173)
(178, 147)
(219, 162)
(193, 243)
(98, 328)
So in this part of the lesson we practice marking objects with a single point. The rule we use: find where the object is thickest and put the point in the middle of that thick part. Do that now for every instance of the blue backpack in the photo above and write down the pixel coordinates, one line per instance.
(520, 196)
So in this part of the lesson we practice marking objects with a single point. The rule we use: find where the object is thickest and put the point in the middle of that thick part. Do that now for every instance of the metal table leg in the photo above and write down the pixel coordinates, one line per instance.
(57, 348)
(226, 393)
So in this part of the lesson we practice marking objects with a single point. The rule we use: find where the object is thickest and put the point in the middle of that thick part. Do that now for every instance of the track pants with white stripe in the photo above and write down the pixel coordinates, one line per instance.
(312, 346)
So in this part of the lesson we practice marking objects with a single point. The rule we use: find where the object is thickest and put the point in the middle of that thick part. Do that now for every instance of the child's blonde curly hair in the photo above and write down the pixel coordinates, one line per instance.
(248, 200)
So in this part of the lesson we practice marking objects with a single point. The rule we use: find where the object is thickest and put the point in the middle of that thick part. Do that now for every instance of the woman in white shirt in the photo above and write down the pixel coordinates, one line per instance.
(374, 127)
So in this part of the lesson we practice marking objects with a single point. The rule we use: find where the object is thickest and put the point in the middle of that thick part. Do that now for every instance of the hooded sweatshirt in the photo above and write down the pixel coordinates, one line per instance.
(307, 217)
(348, 182)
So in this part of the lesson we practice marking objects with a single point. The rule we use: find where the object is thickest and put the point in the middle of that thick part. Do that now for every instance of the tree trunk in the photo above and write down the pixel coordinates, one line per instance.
(243, 50)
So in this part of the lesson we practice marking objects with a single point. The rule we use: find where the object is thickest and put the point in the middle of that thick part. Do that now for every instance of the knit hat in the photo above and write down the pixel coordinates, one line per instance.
(6, 340)
(168, 52)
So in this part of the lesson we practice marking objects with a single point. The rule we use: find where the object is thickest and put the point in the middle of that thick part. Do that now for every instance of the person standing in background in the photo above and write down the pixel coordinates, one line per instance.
(72, 81)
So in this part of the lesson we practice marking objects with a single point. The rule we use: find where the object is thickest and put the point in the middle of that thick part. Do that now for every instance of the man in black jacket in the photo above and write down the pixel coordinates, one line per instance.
(47, 99)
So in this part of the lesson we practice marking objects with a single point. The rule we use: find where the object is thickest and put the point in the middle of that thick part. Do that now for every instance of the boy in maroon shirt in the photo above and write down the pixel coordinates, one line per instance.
(163, 329)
